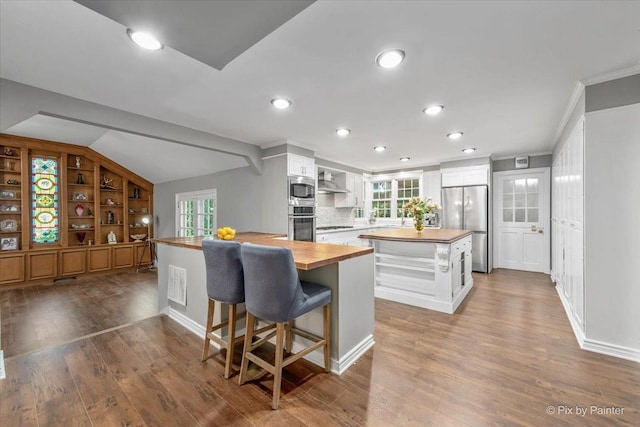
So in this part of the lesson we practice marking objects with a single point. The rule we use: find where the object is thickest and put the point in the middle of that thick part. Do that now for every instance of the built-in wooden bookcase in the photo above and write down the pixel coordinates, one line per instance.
(112, 200)
(95, 195)
(10, 198)
(139, 211)
(81, 201)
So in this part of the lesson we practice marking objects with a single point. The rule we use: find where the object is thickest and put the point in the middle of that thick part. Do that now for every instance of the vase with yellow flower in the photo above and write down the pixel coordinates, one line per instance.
(418, 208)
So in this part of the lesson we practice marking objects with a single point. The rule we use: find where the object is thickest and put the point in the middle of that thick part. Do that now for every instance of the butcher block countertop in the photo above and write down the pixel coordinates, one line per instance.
(411, 235)
(307, 255)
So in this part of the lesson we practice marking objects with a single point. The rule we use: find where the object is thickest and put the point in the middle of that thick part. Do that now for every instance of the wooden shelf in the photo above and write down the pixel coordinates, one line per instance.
(111, 190)
(80, 185)
(2, 156)
(10, 213)
(10, 185)
(76, 230)
(69, 168)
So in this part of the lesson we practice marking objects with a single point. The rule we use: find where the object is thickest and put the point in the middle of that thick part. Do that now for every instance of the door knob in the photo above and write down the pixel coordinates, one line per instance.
(533, 227)
(541, 230)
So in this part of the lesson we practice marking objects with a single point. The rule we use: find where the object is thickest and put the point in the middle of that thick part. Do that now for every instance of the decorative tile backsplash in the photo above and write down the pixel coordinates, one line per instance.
(334, 216)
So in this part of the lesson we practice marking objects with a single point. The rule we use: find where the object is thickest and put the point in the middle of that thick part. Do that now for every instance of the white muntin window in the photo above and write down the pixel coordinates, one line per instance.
(389, 192)
(196, 213)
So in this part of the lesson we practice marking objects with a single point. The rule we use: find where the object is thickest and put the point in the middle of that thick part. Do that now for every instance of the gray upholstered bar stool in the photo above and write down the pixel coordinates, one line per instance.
(225, 284)
(274, 293)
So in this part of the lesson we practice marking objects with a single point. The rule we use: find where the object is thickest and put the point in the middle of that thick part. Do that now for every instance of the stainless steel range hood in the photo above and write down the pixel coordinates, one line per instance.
(326, 184)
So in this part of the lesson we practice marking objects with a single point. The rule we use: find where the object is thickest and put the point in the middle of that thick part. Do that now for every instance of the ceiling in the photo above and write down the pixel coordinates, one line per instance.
(505, 71)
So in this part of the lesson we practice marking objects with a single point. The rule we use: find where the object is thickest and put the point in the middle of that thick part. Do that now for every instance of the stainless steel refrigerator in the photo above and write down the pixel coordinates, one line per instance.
(467, 208)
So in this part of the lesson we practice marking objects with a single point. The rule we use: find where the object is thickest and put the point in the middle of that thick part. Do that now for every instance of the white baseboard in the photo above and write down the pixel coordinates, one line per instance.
(422, 301)
(594, 345)
(577, 329)
(612, 350)
(337, 366)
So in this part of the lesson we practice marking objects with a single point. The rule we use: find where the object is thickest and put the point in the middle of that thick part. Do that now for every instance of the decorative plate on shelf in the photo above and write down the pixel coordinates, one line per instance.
(9, 225)
(138, 237)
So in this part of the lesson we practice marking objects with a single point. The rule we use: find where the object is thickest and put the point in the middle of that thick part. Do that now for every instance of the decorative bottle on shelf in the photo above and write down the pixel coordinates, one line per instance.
(80, 179)
(111, 218)
(79, 209)
(111, 238)
(78, 162)
(136, 193)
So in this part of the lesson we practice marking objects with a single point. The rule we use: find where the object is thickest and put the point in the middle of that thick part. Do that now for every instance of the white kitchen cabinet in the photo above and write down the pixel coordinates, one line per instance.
(301, 166)
(353, 197)
(473, 175)
(567, 249)
(432, 187)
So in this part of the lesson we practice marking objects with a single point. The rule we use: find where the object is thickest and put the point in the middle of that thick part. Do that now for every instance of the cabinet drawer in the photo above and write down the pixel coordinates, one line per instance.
(73, 261)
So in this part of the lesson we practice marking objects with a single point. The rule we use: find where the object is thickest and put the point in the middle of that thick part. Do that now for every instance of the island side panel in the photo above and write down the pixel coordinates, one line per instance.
(194, 315)
(352, 308)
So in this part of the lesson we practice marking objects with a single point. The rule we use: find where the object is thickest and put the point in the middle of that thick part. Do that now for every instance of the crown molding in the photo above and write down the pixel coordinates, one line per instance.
(618, 74)
(573, 101)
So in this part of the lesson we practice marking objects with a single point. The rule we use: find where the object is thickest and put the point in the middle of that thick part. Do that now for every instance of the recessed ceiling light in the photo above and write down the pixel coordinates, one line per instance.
(433, 110)
(281, 103)
(343, 131)
(468, 150)
(454, 135)
(405, 159)
(390, 58)
(144, 40)
(380, 148)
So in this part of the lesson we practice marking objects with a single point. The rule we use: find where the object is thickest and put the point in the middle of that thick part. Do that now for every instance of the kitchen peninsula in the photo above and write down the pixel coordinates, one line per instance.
(346, 270)
(429, 269)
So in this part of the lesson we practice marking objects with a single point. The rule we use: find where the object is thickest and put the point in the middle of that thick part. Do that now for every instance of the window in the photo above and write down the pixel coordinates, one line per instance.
(388, 194)
(44, 199)
(196, 213)
(520, 200)
(407, 188)
(381, 203)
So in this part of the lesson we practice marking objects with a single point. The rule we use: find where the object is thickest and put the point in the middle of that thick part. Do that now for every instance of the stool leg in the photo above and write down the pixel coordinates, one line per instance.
(288, 338)
(248, 337)
(326, 329)
(205, 348)
(230, 339)
(277, 377)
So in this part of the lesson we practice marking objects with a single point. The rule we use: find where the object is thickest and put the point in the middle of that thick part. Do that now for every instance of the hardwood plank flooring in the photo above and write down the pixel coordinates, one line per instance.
(504, 358)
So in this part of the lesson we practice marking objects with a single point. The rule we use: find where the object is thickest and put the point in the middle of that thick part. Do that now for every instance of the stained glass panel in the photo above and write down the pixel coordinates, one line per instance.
(44, 199)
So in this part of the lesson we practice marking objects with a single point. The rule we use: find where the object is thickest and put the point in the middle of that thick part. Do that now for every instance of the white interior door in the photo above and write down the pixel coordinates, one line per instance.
(521, 220)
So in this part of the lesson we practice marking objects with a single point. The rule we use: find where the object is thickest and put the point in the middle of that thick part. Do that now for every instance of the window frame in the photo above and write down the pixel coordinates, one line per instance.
(198, 228)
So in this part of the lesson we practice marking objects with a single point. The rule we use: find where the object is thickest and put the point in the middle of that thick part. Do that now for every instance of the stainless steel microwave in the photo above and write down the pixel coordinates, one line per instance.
(302, 191)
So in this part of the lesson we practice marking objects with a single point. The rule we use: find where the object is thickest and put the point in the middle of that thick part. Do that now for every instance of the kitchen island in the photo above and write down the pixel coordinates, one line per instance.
(346, 270)
(429, 269)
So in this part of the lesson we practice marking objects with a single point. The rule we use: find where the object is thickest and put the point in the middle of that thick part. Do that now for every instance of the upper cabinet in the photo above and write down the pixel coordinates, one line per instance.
(301, 166)
(473, 175)
(353, 183)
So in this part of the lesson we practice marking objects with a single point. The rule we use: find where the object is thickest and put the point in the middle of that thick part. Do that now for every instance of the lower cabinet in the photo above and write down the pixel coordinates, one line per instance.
(12, 268)
(143, 255)
(123, 256)
(73, 261)
(42, 265)
(99, 259)
(18, 267)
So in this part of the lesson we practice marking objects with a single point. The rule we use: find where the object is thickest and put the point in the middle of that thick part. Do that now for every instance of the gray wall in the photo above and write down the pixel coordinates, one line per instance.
(614, 93)
(466, 162)
(543, 161)
(239, 200)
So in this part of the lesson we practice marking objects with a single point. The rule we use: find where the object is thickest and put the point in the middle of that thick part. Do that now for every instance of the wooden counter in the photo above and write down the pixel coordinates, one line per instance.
(411, 235)
(346, 270)
(307, 255)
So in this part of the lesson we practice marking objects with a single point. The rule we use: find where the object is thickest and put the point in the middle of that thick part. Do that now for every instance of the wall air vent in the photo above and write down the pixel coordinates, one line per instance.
(177, 291)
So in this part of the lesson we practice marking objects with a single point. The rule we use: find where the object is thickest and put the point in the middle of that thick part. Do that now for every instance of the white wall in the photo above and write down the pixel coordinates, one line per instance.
(612, 229)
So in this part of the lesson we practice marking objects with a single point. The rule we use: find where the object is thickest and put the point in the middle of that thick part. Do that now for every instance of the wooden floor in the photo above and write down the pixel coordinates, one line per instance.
(507, 357)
